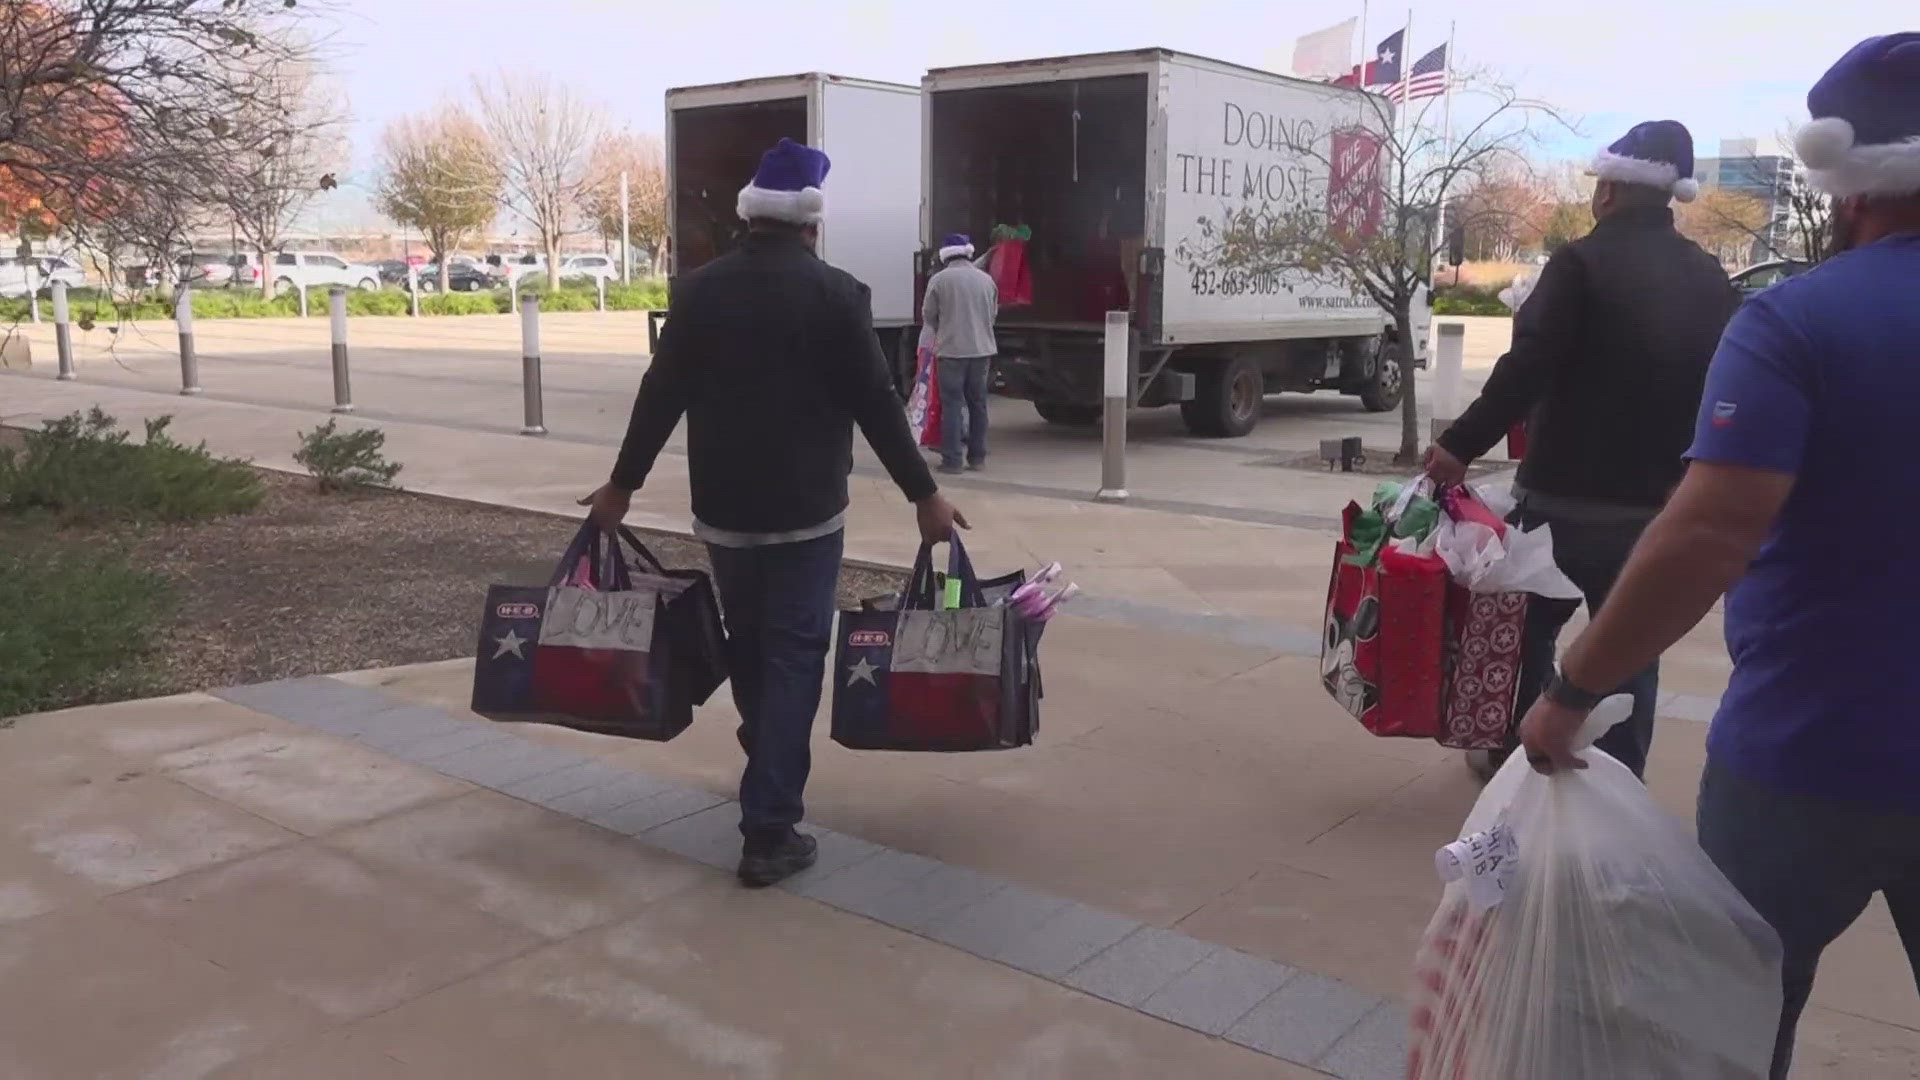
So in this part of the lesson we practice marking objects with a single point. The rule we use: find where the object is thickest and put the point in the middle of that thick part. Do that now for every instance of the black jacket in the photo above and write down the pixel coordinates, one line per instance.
(1608, 360)
(770, 353)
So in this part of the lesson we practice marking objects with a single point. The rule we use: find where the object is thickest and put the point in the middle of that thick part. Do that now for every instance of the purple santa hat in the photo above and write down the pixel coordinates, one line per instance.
(1657, 154)
(786, 187)
(956, 246)
(1865, 135)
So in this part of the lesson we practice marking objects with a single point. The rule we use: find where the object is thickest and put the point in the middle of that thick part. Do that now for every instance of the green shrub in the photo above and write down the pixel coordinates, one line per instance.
(463, 303)
(566, 300)
(650, 295)
(247, 304)
(84, 469)
(74, 621)
(380, 302)
(346, 459)
(1468, 300)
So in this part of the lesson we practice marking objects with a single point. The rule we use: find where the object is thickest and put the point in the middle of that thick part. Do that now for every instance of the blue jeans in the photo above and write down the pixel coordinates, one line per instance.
(1809, 866)
(963, 407)
(1590, 555)
(779, 606)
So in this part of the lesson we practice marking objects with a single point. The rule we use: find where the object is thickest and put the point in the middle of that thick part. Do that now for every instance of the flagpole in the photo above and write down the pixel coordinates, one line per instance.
(1446, 139)
(1364, 54)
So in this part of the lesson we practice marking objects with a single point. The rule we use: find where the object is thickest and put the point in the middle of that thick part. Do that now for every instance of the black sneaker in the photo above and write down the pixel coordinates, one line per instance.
(763, 864)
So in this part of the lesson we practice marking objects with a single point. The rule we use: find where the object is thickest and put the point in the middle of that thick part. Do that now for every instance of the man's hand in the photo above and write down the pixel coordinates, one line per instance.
(1443, 467)
(608, 506)
(1547, 736)
(938, 519)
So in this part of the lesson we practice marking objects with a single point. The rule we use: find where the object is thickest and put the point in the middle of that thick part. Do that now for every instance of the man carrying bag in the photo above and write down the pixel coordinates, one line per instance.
(770, 355)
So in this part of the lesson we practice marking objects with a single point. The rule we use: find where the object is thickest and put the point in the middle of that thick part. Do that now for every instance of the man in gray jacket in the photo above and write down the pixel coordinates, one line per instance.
(962, 302)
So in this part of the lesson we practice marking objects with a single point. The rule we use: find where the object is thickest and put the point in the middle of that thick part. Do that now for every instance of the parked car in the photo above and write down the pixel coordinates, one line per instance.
(589, 268)
(62, 268)
(509, 269)
(14, 279)
(392, 271)
(319, 270)
(1760, 276)
(467, 276)
(205, 269)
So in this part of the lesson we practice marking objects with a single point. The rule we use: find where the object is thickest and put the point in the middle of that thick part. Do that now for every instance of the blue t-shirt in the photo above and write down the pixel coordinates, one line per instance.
(1819, 376)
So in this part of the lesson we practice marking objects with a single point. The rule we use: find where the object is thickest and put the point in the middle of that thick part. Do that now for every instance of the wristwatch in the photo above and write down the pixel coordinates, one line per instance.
(1568, 696)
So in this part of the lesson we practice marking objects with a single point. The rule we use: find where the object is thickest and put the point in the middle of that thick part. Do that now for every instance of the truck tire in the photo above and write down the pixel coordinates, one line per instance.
(1056, 412)
(1387, 385)
(1226, 399)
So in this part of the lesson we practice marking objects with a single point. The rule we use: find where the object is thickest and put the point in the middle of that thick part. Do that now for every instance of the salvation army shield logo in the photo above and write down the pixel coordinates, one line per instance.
(1354, 183)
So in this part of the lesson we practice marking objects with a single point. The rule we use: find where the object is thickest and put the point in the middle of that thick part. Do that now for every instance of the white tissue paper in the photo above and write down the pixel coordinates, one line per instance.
(1486, 563)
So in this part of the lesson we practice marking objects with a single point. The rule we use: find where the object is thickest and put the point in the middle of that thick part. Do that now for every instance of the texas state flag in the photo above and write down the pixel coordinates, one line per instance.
(1384, 67)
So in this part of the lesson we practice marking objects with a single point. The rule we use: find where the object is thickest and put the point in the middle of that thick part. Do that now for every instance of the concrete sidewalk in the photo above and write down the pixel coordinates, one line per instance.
(1191, 783)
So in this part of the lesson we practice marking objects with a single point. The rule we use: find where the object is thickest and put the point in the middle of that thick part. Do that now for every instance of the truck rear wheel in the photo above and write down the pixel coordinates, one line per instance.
(1057, 412)
(1226, 399)
(1384, 389)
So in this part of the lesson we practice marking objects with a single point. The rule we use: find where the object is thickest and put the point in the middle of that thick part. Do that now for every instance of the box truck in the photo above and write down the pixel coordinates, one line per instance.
(1112, 164)
(871, 133)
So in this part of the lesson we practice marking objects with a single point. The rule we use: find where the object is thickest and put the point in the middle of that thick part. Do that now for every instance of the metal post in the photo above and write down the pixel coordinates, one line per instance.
(626, 234)
(303, 300)
(513, 293)
(337, 315)
(601, 280)
(1448, 355)
(1119, 393)
(33, 287)
(413, 288)
(530, 366)
(62, 333)
(183, 319)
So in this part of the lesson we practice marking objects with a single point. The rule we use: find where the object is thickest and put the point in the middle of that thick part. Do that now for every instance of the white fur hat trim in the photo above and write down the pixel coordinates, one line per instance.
(1608, 165)
(1838, 167)
(803, 207)
(958, 251)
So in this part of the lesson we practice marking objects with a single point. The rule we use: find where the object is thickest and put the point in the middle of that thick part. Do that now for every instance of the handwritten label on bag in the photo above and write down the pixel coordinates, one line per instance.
(963, 642)
(586, 619)
(1485, 861)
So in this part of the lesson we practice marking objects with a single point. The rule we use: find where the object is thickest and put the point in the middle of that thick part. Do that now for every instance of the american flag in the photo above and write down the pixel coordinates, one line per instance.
(1428, 77)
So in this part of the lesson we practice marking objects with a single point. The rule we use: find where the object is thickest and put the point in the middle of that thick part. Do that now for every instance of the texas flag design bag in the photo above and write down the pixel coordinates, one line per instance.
(602, 647)
(952, 669)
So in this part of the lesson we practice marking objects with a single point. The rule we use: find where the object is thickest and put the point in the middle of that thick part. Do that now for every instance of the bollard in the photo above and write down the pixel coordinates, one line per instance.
(183, 319)
(62, 333)
(1448, 355)
(337, 315)
(303, 300)
(530, 366)
(413, 288)
(1119, 395)
(33, 288)
(602, 279)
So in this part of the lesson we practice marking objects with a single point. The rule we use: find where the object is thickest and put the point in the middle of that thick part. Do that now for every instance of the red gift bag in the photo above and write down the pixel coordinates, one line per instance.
(923, 405)
(1483, 640)
(1381, 655)
(1007, 265)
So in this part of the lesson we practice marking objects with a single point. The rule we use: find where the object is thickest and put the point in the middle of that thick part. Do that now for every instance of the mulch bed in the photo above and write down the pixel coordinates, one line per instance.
(312, 584)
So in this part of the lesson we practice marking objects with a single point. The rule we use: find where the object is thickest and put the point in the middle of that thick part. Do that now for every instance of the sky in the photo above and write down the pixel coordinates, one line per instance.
(1726, 70)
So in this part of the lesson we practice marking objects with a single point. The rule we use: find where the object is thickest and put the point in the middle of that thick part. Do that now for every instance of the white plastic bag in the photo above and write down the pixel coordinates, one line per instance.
(1585, 936)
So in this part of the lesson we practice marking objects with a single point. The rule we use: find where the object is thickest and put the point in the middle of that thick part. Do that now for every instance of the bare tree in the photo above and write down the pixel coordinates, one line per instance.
(439, 174)
(639, 158)
(264, 183)
(1726, 223)
(544, 135)
(1364, 218)
(109, 101)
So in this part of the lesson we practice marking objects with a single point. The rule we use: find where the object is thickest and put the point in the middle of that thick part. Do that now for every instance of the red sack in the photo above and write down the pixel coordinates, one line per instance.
(1517, 441)
(1007, 264)
(923, 407)
(1381, 654)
